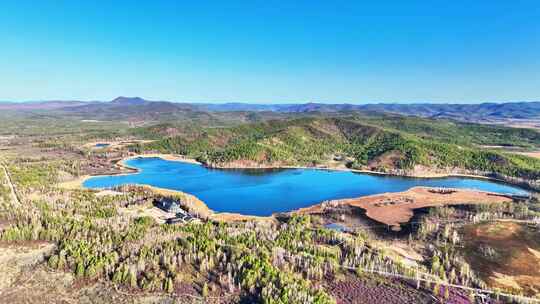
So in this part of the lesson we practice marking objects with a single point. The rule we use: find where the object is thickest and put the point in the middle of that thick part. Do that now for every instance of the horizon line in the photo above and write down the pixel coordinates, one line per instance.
(273, 103)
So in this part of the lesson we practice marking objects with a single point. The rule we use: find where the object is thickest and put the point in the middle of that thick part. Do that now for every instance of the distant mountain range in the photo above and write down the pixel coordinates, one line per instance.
(40, 105)
(484, 111)
(129, 107)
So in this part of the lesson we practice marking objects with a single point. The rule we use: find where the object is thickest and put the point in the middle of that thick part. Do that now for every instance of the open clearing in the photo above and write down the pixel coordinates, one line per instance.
(535, 154)
(394, 209)
(506, 255)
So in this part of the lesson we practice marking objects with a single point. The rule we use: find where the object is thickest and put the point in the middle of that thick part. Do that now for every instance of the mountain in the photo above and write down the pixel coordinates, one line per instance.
(142, 109)
(466, 112)
(409, 145)
(129, 108)
(239, 107)
(284, 108)
(129, 101)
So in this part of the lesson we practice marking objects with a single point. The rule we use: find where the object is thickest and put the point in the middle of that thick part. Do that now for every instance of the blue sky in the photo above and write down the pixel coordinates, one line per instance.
(271, 51)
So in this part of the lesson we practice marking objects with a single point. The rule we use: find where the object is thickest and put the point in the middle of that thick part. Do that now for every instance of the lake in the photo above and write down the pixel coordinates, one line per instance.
(263, 192)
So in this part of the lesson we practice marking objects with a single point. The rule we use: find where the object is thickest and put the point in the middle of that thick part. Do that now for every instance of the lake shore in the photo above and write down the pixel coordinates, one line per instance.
(78, 183)
(417, 172)
(396, 208)
(169, 157)
(203, 209)
(196, 205)
(113, 144)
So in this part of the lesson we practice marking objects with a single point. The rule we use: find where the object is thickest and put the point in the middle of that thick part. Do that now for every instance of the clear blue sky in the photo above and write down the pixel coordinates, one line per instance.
(271, 51)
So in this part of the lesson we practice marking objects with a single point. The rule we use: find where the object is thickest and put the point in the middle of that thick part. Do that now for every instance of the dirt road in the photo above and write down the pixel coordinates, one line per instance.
(14, 198)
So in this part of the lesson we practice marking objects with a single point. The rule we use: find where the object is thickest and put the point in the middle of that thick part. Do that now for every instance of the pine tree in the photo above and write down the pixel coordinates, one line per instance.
(79, 269)
(132, 278)
(436, 289)
(204, 291)
(169, 285)
(117, 276)
(53, 261)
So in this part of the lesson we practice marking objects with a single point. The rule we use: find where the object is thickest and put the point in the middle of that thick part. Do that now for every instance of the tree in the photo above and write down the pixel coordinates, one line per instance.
(169, 287)
(204, 291)
(132, 279)
(79, 269)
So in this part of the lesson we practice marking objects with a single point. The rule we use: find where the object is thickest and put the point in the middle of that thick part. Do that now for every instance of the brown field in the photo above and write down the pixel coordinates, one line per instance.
(506, 255)
(518, 123)
(394, 209)
(354, 290)
(535, 154)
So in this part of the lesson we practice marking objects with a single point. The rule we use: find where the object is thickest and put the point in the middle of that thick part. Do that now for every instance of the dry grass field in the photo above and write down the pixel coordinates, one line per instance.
(506, 255)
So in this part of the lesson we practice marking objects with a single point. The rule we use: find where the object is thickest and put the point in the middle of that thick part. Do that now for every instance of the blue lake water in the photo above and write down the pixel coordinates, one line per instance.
(263, 192)
(102, 145)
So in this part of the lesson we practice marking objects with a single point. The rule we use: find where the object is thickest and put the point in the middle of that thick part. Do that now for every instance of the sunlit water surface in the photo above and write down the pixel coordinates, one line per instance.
(263, 192)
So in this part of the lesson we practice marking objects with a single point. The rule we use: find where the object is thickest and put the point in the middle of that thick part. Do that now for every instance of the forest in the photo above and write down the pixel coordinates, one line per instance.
(288, 261)
(113, 239)
(373, 144)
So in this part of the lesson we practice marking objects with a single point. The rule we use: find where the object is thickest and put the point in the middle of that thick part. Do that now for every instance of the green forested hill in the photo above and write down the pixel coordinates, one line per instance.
(376, 143)
(458, 132)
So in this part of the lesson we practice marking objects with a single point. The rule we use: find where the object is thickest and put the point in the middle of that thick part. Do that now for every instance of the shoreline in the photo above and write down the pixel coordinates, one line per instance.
(523, 185)
(421, 176)
(397, 208)
(169, 157)
(78, 182)
(179, 158)
(228, 216)
(112, 144)
(379, 173)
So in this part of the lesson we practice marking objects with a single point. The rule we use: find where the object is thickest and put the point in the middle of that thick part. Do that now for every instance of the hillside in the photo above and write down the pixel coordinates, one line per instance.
(462, 133)
(397, 147)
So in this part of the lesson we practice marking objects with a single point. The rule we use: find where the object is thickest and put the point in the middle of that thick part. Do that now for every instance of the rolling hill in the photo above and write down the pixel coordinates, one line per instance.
(355, 143)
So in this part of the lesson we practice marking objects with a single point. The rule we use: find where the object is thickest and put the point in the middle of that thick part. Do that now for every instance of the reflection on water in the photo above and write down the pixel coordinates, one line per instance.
(252, 171)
